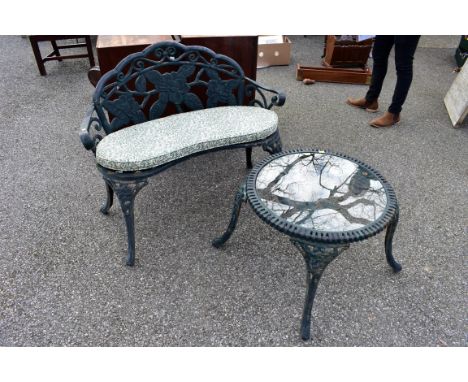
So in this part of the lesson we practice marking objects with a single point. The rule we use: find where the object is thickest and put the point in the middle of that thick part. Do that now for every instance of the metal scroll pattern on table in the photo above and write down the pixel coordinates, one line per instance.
(320, 196)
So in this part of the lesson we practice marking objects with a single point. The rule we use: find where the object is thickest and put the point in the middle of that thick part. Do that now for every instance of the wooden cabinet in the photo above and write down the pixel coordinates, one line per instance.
(242, 49)
(112, 49)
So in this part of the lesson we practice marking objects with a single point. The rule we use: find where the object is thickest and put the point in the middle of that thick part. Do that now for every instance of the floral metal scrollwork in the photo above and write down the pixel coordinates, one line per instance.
(170, 77)
(92, 131)
(252, 88)
(143, 86)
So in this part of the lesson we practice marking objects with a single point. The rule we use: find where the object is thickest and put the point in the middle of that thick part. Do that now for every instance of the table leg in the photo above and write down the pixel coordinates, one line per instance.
(316, 258)
(37, 55)
(388, 243)
(241, 197)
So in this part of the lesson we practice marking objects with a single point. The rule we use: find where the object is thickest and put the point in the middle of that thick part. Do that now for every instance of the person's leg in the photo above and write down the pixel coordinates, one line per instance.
(405, 46)
(380, 52)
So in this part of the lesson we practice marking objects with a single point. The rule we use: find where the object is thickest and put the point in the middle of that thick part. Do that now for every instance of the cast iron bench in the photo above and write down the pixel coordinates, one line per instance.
(169, 103)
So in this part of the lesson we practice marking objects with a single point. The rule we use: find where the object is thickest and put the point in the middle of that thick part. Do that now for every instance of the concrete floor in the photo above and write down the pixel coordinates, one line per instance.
(63, 281)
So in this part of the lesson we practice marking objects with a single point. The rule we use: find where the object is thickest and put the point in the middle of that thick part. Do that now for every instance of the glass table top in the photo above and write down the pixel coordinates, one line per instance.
(321, 191)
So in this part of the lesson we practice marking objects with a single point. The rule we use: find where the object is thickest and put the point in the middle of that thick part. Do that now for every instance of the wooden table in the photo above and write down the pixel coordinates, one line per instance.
(242, 49)
(112, 49)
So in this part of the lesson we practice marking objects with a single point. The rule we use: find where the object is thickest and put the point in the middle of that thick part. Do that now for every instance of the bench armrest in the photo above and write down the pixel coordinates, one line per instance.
(278, 98)
(91, 130)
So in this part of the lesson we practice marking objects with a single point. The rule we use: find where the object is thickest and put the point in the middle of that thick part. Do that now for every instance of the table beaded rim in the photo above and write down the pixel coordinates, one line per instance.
(309, 234)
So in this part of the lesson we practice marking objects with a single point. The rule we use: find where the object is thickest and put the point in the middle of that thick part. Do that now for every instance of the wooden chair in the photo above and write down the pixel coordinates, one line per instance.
(55, 55)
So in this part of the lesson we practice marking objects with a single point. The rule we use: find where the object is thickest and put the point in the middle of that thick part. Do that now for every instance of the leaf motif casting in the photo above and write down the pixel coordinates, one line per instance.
(170, 73)
(140, 84)
(220, 91)
(125, 110)
(192, 102)
(173, 88)
(159, 106)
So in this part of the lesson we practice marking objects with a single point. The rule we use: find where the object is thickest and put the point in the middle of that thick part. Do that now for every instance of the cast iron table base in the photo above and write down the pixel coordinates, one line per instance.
(323, 201)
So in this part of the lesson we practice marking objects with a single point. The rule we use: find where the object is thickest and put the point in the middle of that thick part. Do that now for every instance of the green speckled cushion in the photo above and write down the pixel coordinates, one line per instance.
(154, 143)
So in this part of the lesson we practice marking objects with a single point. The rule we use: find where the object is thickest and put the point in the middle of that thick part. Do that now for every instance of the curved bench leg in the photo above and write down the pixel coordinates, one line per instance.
(126, 191)
(240, 198)
(273, 145)
(248, 156)
(388, 243)
(109, 201)
(316, 259)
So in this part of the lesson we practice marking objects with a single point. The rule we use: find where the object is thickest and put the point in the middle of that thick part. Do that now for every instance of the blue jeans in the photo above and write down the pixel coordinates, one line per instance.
(405, 46)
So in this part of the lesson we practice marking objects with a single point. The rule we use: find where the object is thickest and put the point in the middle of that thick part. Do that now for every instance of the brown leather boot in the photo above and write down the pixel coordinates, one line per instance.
(386, 120)
(362, 103)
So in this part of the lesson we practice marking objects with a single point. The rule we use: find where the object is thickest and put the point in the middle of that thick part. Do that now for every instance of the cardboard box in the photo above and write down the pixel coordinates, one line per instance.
(273, 50)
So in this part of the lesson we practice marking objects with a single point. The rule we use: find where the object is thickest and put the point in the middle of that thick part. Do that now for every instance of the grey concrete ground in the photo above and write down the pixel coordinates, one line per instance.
(63, 281)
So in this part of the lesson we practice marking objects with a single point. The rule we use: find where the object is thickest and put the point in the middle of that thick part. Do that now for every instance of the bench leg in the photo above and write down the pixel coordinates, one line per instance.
(126, 191)
(273, 145)
(109, 201)
(240, 198)
(248, 156)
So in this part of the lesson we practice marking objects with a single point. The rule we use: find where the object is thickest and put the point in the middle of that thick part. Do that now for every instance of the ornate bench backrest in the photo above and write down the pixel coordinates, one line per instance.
(167, 78)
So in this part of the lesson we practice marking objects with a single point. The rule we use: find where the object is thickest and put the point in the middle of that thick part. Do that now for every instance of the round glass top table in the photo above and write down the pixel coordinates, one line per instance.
(323, 201)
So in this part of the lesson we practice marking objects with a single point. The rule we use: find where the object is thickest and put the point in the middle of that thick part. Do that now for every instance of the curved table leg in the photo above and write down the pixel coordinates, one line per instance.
(316, 258)
(388, 243)
(241, 197)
